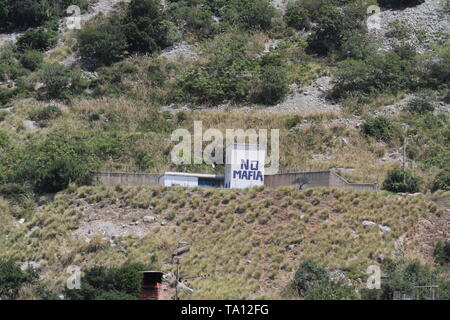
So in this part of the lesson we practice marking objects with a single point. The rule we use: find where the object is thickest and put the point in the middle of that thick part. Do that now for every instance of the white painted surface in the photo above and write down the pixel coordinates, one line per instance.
(183, 181)
(244, 166)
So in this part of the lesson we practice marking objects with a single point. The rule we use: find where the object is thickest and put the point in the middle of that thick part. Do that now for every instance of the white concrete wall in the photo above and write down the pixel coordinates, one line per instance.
(244, 166)
(170, 181)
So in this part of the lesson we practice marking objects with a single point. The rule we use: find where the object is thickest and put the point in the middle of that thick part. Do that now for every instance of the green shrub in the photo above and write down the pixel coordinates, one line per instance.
(60, 82)
(10, 67)
(330, 290)
(398, 180)
(378, 73)
(441, 181)
(22, 14)
(116, 283)
(14, 192)
(399, 30)
(433, 71)
(4, 139)
(307, 275)
(334, 27)
(273, 85)
(297, 17)
(32, 59)
(37, 39)
(442, 252)
(12, 278)
(102, 44)
(250, 14)
(380, 128)
(421, 104)
(292, 121)
(43, 115)
(50, 164)
(403, 276)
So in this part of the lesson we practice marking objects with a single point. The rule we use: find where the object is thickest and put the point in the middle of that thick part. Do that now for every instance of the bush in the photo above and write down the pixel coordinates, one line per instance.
(116, 283)
(401, 181)
(37, 39)
(296, 16)
(273, 85)
(307, 275)
(32, 59)
(442, 252)
(12, 278)
(421, 104)
(52, 163)
(378, 73)
(10, 67)
(330, 290)
(22, 14)
(142, 26)
(250, 14)
(380, 128)
(43, 115)
(57, 80)
(334, 27)
(103, 44)
(441, 181)
(14, 192)
(405, 275)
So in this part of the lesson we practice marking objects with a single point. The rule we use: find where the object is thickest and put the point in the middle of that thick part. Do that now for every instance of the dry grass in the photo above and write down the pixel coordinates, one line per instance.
(250, 241)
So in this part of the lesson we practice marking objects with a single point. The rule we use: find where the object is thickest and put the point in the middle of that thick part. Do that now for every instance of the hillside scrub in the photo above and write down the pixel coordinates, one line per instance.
(22, 14)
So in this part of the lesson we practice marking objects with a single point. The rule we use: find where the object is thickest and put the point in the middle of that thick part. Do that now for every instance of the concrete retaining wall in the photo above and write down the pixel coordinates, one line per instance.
(127, 179)
(304, 180)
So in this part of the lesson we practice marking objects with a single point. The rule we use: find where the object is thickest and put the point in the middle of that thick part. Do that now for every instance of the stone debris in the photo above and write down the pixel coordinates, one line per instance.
(429, 22)
(367, 223)
(30, 125)
(179, 51)
(149, 219)
(385, 229)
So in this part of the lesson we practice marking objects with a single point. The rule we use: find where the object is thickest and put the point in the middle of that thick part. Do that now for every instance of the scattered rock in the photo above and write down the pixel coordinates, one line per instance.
(30, 125)
(385, 229)
(367, 223)
(30, 265)
(344, 141)
(149, 219)
(179, 51)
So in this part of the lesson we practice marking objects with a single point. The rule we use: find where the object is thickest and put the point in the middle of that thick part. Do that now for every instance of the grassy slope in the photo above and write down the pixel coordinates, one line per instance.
(241, 238)
(316, 145)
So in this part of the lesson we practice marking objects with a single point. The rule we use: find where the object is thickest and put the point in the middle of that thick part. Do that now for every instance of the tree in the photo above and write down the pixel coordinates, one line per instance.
(401, 181)
(307, 275)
